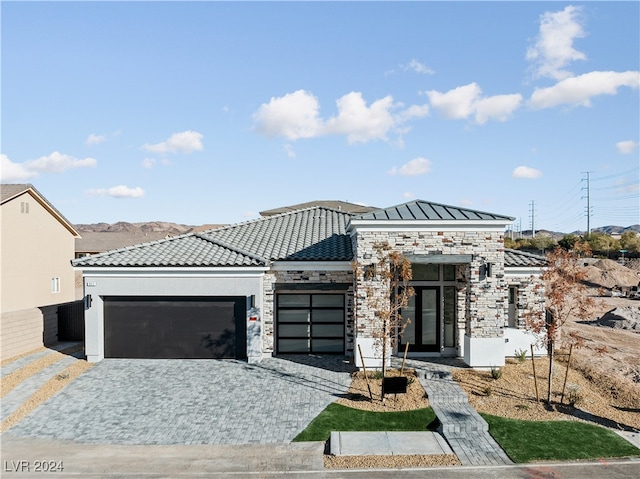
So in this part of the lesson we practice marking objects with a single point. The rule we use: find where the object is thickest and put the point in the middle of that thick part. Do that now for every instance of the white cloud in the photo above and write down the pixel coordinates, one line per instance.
(359, 122)
(626, 147)
(293, 116)
(526, 172)
(290, 151)
(10, 171)
(465, 202)
(149, 163)
(407, 195)
(498, 107)
(417, 166)
(120, 191)
(457, 103)
(418, 67)
(553, 49)
(94, 139)
(296, 115)
(467, 100)
(579, 90)
(183, 142)
(57, 162)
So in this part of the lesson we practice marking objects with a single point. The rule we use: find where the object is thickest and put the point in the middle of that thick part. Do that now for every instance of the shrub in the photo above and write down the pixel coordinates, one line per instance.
(574, 396)
(496, 373)
(521, 355)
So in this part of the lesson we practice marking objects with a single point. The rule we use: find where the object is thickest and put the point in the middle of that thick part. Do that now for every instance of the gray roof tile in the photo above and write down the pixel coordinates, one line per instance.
(186, 250)
(314, 234)
(515, 258)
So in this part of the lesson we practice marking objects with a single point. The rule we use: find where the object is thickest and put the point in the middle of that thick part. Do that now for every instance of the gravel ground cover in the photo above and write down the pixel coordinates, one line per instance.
(358, 397)
(513, 395)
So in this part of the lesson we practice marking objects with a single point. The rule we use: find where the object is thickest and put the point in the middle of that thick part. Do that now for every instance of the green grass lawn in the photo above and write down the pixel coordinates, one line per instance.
(342, 418)
(526, 441)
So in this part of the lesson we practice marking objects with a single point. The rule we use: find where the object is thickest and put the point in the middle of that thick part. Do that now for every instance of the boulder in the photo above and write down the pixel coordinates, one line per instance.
(627, 317)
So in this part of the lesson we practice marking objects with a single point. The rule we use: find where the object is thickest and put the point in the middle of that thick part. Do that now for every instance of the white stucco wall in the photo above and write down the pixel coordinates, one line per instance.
(102, 282)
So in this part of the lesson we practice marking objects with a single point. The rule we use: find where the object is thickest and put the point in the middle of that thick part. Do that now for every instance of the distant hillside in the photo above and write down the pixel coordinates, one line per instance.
(178, 229)
(143, 228)
(608, 230)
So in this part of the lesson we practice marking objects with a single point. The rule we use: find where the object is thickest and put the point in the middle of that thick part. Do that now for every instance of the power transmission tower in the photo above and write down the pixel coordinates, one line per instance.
(532, 210)
(588, 197)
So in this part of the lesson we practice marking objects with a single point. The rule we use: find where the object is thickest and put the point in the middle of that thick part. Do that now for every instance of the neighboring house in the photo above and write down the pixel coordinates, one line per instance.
(37, 246)
(93, 242)
(284, 284)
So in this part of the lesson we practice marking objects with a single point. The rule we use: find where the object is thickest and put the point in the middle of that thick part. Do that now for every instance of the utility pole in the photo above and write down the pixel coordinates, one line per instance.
(588, 197)
(532, 209)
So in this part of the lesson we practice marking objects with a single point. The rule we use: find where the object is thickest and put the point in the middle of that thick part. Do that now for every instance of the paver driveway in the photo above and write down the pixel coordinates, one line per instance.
(124, 401)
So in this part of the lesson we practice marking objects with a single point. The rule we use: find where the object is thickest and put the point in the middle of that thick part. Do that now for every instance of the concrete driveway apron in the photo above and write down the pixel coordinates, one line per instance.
(124, 401)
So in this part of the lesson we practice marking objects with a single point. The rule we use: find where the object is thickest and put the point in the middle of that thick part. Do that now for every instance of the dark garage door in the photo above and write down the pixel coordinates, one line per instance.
(170, 327)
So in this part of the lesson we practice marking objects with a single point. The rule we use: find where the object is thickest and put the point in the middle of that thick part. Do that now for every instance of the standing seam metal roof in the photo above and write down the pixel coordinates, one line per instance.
(428, 211)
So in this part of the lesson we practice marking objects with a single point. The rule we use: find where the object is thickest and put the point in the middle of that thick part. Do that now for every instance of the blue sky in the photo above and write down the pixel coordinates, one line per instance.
(209, 112)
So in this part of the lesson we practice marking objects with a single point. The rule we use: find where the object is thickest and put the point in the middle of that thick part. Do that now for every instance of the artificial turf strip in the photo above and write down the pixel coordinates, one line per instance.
(337, 417)
(527, 441)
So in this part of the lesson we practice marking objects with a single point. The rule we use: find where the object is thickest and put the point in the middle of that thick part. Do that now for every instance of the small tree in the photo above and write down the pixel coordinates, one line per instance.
(387, 291)
(566, 296)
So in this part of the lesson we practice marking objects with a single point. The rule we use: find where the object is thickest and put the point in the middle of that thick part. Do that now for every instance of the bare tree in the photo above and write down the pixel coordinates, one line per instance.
(566, 296)
(387, 291)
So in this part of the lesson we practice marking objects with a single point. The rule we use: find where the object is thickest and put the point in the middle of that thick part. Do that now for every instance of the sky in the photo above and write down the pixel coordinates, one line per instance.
(210, 112)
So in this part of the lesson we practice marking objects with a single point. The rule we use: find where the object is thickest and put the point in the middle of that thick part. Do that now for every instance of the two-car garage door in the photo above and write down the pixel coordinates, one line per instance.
(174, 327)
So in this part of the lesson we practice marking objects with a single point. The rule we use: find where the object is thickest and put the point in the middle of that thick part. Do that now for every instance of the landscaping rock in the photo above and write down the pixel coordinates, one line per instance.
(622, 318)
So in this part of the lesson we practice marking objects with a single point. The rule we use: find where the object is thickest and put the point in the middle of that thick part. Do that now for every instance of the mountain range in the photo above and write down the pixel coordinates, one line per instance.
(178, 229)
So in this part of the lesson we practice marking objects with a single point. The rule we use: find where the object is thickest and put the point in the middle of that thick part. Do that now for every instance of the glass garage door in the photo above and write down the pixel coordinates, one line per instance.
(310, 323)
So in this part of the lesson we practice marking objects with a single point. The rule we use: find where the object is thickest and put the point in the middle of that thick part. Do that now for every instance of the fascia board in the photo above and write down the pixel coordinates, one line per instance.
(416, 225)
(311, 266)
(510, 271)
(173, 272)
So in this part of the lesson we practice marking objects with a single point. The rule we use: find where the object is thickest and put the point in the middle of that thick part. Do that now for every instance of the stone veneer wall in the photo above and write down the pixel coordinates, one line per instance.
(302, 277)
(485, 298)
(531, 298)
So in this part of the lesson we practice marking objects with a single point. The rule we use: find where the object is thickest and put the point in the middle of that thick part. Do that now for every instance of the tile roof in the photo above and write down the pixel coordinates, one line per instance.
(514, 258)
(190, 250)
(313, 234)
(98, 241)
(343, 206)
(425, 210)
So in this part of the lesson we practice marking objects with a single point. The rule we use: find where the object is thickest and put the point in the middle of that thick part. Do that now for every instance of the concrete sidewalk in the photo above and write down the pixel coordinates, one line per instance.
(387, 443)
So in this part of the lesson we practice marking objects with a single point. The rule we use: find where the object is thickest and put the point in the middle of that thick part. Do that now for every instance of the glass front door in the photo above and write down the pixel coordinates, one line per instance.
(423, 329)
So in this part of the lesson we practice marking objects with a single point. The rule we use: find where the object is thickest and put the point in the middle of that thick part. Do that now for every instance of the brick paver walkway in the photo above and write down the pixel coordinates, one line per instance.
(464, 429)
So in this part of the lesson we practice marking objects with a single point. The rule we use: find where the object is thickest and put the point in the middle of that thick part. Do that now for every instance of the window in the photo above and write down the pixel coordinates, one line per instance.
(24, 207)
(310, 323)
(55, 285)
(425, 272)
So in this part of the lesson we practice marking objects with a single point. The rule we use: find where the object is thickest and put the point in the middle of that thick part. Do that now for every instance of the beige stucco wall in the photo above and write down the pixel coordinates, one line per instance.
(34, 248)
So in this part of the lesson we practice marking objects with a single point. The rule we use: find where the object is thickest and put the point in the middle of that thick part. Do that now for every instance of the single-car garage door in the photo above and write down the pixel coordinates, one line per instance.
(310, 323)
(174, 327)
